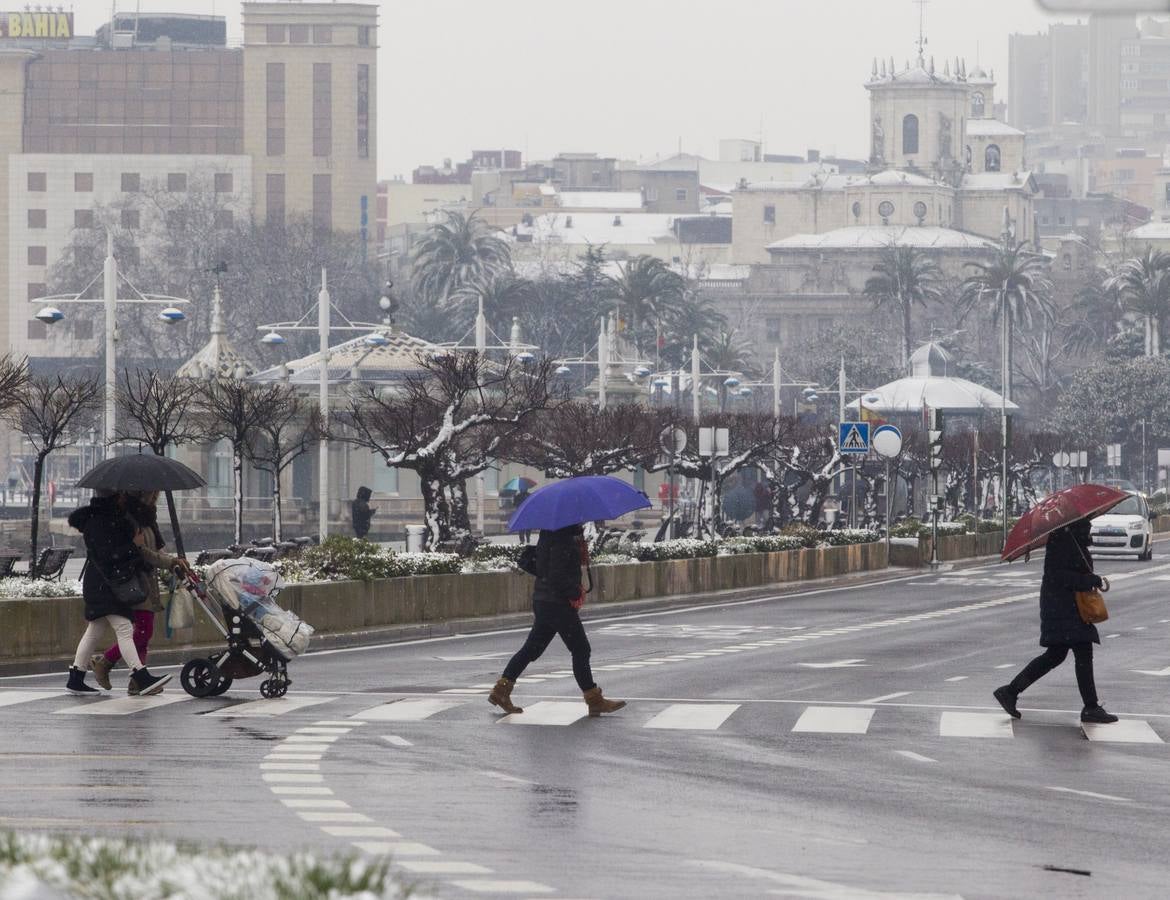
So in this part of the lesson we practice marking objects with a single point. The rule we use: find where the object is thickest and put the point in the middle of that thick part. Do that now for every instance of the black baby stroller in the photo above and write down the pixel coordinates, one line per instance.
(261, 636)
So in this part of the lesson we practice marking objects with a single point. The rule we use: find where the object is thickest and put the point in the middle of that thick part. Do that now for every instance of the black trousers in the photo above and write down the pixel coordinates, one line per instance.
(553, 619)
(1053, 657)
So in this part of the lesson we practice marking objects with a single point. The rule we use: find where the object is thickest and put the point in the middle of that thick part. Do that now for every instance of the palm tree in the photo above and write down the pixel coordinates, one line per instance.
(694, 314)
(1143, 286)
(904, 276)
(460, 253)
(1014, 285)
(644, 290)
(728, 352)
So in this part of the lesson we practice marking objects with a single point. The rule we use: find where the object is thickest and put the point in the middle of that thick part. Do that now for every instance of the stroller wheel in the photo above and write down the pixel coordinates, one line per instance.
(221, 687)
(272, 688)
(200, 678)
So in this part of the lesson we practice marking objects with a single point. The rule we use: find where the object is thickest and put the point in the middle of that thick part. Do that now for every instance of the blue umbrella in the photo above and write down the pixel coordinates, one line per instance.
(518, 484)
(574, 501)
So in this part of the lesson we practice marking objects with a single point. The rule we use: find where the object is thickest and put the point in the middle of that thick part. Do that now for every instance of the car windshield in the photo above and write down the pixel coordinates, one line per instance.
(1130, 506)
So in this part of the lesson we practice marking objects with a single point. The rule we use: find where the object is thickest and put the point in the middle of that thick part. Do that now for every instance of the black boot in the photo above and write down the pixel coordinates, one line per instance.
(144, 684)
(1097, 715)
(76, 684)
(1007, 698)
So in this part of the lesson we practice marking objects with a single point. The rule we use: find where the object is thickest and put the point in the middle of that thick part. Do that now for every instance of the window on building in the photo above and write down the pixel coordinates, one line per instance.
(298, 34)
(275, 109)
(37, 330)
(223, 182)
(322, 34)
(83, 218)
(224, 218)
(1066, 261)
(323, 202)
(82, 329)
(910, 134)
(274, 193)
(83, 182)
(596, 176)
(322, 109)
(274, 34)
(991, 158)
(131, 182)
(36, 290)
(38, 256)
(769, 215)
(680, 195)
(37, 181)
(130, 218)
(978, 104)
(364, 35)
(385, 477)
(363, 111)
(37, 218)
(177, 182)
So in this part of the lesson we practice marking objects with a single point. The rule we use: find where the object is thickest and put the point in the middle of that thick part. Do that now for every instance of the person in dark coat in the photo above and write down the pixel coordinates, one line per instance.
(113, 556)
(525, 535)
(362, 512)
(556, 599)
(1068, 568)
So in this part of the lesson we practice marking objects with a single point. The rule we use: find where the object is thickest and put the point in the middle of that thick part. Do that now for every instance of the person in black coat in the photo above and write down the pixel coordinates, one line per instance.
(1068, 568)
(113, 557)
(556, 598)
(362, 512)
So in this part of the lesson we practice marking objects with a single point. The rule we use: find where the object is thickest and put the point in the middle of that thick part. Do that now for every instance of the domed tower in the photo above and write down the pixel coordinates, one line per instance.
(917, 118)
(982, 88)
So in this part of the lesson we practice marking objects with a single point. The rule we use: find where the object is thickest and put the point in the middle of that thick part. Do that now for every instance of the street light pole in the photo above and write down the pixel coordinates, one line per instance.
(110, 300)
(323, 304)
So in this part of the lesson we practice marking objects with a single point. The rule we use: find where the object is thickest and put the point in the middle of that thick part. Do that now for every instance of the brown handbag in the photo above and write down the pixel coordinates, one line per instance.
(1091, 604)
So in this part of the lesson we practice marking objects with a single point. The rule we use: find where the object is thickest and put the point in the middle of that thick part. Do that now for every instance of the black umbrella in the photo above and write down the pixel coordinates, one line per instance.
(145, 472)
(141, 472)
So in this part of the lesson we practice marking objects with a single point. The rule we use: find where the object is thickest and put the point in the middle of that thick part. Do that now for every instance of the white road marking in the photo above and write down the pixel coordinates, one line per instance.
(839, 664)
(1127, 731)
(309, 739)
(504, 887)
(11, 698)
(1092, 794)
(802, 886)
(360, 831)
(957, 678)
(917, 757)
(477, 657)
(289, 766)
(123, 706)
(1139, 628)
(296, 789)
(396, 740)
(884, 697)
(444, 867)
(309, 803)
(834, 720)
(693, 716)
(408, 710)
(395, 848)
(277, 706)
(1161, 673)
(285, 747)
(291, 777)
(1005, 665)
(334, 817)
(293, 757)
(549, 712)
(1112, 635)
(500, 776)
(979, 725)
(348, 723)
(319, 729)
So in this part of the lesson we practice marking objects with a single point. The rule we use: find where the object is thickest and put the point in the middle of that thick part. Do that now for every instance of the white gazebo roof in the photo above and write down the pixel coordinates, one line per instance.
(356, 359)
(949, 394)
(218, 357)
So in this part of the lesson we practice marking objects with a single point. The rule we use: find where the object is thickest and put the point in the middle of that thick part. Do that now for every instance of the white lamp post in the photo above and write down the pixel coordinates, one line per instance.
(50, 314)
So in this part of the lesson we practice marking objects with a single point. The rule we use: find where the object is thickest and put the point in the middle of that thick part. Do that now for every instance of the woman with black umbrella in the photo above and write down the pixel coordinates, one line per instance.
(1068, 568)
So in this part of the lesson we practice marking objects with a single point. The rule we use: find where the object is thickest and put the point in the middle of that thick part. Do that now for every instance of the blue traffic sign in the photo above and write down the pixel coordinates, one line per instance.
(853, 437)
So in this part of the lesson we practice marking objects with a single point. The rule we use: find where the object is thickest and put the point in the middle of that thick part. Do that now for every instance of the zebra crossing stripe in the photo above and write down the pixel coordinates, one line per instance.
(123, 706)
(277, 706)
(693, 716)
(1127, 731)
(549, 712)
(980, 725)
(408, 710)
(11, 698)
(834, 720)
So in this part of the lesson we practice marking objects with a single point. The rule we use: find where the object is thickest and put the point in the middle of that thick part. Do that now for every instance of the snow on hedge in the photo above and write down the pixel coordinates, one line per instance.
(15, 588)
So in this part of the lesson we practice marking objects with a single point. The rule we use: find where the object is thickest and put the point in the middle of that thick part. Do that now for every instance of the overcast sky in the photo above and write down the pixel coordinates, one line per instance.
(637, 78)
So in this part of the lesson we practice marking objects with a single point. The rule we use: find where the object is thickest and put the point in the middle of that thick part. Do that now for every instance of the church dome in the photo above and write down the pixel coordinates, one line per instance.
(930, 360)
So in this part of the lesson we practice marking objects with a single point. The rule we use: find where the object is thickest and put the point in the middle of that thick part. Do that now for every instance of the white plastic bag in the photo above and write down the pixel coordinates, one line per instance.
(180, 609)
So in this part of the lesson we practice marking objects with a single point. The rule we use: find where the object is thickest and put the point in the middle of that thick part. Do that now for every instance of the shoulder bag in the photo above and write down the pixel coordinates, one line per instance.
(1091, 604)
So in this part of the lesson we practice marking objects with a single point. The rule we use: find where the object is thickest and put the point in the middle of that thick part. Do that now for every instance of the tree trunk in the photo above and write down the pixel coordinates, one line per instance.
(432, 497)
(277, 520)
(238, 489)
(1156, 341)
(459, 511)
(905, 338)
(38, 474)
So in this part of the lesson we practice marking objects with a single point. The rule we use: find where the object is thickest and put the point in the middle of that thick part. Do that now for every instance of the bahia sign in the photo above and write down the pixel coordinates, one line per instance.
(36, 25)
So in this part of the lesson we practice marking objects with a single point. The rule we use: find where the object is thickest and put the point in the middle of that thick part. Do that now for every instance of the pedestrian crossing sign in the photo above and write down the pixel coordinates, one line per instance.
(854, 437)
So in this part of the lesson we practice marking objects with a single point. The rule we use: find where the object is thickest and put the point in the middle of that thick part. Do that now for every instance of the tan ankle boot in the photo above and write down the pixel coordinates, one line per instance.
(101, 670)
(598, 704)
(501, 696)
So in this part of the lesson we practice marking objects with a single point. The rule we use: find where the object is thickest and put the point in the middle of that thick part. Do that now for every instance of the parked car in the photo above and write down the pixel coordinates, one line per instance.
(1124, 530)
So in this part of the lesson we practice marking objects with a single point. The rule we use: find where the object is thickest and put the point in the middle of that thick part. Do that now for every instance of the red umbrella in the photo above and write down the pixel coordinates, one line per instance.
(1081, 501)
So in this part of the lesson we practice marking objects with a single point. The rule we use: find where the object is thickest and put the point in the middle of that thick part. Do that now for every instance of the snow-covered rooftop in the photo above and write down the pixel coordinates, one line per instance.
(398, 358)
(863, 237)
(834, 181)
(948, 394)
(991, 128)
(1151, 231)
(598, 228)
(631, 200)
(998, 181)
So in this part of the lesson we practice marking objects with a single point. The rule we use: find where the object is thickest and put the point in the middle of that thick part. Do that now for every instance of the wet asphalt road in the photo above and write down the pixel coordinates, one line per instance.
(833, 744)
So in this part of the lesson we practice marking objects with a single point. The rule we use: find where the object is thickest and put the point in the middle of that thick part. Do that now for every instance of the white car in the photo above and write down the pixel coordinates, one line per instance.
(1124, 530)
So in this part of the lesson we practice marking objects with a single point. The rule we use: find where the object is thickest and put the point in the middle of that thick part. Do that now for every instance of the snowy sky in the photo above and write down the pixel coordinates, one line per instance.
(637, 78)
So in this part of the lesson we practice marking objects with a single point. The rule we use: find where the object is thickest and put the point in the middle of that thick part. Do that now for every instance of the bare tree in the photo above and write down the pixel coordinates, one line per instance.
(13, 377)
(572, 439)
(289, 425)
(448, 423)
(160, 412)
(231, 411)
(50, 411)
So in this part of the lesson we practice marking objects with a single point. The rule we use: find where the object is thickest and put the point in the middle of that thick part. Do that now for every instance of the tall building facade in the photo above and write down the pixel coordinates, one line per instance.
(282, 126)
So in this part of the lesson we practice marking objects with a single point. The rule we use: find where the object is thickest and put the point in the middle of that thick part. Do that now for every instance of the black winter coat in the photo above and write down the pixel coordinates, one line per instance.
(1066, 571)
(361, 512)
(110, 551)
(558, 559)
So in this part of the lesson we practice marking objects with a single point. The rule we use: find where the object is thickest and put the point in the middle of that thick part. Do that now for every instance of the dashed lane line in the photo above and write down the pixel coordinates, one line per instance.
(917, 757)
(1093, 794)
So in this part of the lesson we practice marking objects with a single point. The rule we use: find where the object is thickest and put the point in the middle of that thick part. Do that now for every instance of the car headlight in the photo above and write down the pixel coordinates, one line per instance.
(1135, 526)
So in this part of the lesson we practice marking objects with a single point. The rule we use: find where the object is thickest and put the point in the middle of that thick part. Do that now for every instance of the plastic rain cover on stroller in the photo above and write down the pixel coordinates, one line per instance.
(251, 586)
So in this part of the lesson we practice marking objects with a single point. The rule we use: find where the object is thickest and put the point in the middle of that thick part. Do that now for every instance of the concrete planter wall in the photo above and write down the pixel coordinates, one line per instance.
(50, 628)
